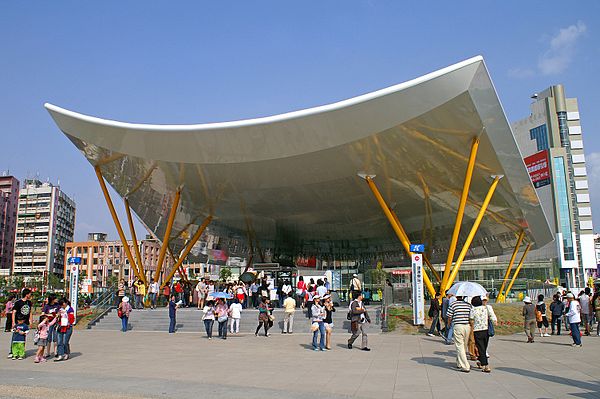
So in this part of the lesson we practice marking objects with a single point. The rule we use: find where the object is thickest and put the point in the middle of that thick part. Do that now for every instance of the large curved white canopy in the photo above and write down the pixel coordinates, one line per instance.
(291, 179)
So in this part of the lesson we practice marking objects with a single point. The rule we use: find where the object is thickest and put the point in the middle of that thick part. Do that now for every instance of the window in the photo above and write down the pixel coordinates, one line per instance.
(574, 129)
(581, 184)
(585, 211)
(580, 171)
(540, 135)
(573, 116)
(578, 158)
(583, 198)
(564, 215)
(586, 225)
(577, 144)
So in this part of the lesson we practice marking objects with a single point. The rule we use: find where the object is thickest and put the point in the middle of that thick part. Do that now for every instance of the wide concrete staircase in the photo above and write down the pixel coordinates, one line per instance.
(190, 320)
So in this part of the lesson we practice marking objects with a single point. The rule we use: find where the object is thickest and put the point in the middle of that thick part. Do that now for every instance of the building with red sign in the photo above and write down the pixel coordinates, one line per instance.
(551, 142)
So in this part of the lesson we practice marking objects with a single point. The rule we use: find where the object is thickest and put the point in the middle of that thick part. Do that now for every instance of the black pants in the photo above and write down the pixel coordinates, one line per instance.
(556, 321)
(435, 323)
(8, 326)
(265, 324)
(482, 339)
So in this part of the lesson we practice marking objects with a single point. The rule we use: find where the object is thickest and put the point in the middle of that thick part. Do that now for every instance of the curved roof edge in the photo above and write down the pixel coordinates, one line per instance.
(268, 119)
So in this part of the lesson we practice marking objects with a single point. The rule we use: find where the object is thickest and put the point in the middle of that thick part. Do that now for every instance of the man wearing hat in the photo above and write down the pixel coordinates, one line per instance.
(530, 318)
(355, 286)
(574, 318)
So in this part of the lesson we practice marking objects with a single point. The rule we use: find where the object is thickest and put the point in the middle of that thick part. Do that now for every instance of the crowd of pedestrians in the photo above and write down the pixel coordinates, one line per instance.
(52, 335)
(469, 323)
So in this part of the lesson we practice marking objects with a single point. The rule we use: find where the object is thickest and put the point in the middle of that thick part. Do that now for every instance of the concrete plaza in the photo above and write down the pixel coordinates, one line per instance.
(111, 364)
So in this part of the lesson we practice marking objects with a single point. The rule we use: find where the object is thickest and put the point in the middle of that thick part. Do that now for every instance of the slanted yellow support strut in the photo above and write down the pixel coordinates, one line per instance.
(136, 247)
(165, 243)
(471, 235)
(115, 218)
(514, 277)
(461, 210)
(187, 250)
(500, 298)
(397, 229)
(427, 262)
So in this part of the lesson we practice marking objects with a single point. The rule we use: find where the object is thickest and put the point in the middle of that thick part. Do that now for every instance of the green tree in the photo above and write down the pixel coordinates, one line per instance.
(225, 273)
(54, 282)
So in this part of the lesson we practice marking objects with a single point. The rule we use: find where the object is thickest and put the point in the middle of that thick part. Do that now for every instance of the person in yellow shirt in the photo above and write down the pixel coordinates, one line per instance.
(140, 293)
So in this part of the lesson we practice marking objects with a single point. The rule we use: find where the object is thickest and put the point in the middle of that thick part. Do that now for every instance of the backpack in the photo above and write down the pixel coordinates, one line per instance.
(349, 315)
(36, 337)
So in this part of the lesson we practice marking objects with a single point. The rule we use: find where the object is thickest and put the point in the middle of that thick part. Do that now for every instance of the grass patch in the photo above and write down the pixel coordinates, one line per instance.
(510, 319)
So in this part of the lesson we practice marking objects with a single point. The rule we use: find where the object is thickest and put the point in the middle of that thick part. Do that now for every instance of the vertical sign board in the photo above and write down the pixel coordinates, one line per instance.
(417, 290)
(74, 283)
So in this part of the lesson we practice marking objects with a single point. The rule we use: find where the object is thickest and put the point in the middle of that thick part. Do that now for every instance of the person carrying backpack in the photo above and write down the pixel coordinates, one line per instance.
(358, 318)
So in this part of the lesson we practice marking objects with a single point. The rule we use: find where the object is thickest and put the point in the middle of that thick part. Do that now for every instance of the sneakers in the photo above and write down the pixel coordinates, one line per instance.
(37, 359)
(366, 349)
(349, 346)
(316, 349)
(430, 335)
(574, 345)
(58, 359)
(10, 356)
(21, 357)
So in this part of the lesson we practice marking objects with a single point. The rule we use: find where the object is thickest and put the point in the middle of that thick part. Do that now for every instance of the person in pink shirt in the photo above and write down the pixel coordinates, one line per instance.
(8, 307)
(42, 338)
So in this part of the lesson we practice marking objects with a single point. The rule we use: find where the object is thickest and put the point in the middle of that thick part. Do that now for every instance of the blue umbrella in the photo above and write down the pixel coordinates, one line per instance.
(221, 295)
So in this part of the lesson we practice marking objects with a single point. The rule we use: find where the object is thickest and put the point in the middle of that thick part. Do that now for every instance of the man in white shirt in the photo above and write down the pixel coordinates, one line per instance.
(289, 304)
(584, 302)
(321, 290)
(153, 293)
(574, 318)
(235, 311)
(201, 292)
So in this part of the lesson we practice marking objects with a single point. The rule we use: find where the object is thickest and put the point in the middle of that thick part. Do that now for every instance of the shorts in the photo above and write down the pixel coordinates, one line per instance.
(329, 326)
(201, 295)
(42, 342)
(544, 322)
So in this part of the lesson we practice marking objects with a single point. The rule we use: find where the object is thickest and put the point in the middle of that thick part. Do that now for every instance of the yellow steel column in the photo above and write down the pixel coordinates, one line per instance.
(397, 229)
(187, 249)
(514, 277)
(136, 248)
(115, 217)
(500, 298)
(471, 235)
(425, 259)
(165, 243)
(461, 210)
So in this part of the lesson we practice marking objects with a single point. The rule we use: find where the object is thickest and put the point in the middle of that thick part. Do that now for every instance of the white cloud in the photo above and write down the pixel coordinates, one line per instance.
(562, 49)
(558, 56)
(521, 73)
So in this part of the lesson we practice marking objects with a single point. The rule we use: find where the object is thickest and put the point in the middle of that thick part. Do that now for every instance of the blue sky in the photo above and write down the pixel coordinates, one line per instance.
(192, 62)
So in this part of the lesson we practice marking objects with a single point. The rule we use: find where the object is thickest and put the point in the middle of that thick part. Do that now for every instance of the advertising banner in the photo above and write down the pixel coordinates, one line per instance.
(538, 168)
(417, 290)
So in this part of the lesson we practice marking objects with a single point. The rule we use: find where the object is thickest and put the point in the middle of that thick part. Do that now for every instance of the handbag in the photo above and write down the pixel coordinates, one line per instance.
(223, 318)
(120, 313)
(36, 337)
(271, 317)
(314, 327)
(491, 329)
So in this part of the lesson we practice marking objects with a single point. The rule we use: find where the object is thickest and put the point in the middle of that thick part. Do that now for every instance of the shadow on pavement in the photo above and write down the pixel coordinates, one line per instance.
(594, 387)
(434, 361)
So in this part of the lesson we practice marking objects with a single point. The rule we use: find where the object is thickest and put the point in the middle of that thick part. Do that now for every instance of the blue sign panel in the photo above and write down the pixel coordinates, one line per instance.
(74, 260)
(420, 248)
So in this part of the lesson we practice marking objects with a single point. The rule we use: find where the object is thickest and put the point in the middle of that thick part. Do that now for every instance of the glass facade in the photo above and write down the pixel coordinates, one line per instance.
(562, 197)
(540, 134)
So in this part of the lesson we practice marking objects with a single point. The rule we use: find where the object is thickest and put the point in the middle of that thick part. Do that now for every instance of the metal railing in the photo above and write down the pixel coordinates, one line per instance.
(101, 305)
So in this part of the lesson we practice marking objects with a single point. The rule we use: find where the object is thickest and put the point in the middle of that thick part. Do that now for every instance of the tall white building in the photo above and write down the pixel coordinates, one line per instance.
(551, 143)
(45, 223)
